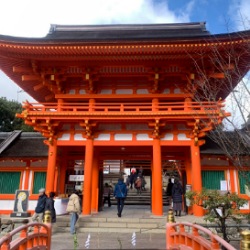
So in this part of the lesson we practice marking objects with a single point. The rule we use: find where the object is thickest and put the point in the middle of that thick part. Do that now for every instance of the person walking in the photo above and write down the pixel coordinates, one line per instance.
(169, 192)
(177, 192)
(40, 207)
(138, 184)
(132, 179)
(106, 194)
(50, 206)
(74, 209)
(120, 193)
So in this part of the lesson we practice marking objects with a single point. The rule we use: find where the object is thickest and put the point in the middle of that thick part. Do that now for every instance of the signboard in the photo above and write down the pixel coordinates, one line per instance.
(223, 185)
(76, 178)
(21, 204)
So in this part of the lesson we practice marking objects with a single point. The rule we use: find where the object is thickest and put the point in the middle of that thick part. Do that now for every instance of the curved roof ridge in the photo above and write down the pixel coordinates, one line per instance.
(69, 28)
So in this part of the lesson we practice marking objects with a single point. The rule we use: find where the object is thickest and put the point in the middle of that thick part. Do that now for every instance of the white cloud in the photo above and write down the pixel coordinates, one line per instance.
(11, 91)
(237, 103)
(239, 12)
(29, 18)
(33, 18)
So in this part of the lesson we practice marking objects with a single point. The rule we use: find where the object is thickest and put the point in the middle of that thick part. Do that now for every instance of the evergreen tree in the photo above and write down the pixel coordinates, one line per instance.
(8, 120)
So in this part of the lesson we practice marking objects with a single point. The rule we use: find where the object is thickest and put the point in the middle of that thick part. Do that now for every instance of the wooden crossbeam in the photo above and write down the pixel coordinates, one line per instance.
(38, 87)
(31, 78)
(217, 75)
(17, 69)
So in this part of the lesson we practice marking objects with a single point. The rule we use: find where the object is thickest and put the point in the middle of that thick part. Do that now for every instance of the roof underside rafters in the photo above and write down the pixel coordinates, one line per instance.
(27, 61)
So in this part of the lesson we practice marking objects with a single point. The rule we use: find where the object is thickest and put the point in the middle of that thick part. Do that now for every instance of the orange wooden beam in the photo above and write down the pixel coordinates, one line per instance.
(31, 78)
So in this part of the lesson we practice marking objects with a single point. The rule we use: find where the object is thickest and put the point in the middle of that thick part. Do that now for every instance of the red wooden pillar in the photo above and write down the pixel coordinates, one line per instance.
(157, 206)
(62, 174)
(87, 177)
(56, 180)
(189, 176)
(152, 186)
(51, 167)
(196, 176)
(95, 185)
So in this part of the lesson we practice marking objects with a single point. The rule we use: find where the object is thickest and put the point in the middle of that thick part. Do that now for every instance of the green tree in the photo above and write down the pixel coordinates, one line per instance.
(8, 120)
(219, 207)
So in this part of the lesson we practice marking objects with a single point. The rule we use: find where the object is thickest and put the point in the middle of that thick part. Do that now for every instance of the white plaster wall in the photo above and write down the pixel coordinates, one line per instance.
(64, 137)
(183, 137)
(103, 137)
(79, 137)
(142, 91)
(143, 137)
(82, 91)
(124, 91)
(168, 137)
(106, 91)
(166, 91)
(177, 91)
(123, 137)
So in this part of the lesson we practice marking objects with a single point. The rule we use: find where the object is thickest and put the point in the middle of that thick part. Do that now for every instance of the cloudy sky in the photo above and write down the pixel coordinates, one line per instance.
(32, 18)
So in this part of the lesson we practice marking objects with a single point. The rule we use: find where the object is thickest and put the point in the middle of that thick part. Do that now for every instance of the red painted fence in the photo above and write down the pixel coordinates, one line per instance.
(186, 235)
(30, 236)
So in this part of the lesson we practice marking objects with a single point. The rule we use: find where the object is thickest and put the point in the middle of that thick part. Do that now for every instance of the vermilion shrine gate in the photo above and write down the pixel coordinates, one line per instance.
(121, 92)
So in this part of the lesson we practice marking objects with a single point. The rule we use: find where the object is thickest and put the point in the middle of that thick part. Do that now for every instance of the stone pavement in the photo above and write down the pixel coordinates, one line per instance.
(118, 240)
(65, 241)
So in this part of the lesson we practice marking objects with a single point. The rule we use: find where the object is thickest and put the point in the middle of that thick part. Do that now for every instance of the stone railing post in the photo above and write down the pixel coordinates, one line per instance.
(245, 240)
(169, 228)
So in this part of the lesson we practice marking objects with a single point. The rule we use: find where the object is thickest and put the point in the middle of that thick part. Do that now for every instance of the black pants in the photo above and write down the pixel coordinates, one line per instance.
(120, 205)
(107, 199)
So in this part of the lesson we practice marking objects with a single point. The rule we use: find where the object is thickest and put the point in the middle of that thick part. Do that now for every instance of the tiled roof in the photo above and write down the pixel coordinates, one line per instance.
(29, 144)
(127, 31)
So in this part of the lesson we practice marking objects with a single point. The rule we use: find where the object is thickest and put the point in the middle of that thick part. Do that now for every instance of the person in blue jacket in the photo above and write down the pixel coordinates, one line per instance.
(120, 193)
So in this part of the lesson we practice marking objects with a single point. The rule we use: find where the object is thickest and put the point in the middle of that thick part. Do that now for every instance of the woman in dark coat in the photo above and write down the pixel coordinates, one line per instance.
(177, 192)
(169, 191)
(50, 206)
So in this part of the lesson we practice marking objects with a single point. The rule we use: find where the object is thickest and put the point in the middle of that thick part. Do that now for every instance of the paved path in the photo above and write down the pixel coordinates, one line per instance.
(65, 241)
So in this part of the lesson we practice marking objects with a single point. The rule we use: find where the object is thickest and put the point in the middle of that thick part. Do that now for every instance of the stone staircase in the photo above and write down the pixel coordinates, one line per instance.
(139, 199)
(92, 224)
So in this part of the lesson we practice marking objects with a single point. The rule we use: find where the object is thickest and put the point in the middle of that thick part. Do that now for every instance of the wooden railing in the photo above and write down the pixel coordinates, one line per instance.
(22, 238)
(193, 107)
(192, 236)
(185, 235)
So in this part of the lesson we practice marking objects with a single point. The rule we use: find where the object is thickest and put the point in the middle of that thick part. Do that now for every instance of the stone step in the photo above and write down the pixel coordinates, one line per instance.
(66, 218)
(107, 224)
(113, 230)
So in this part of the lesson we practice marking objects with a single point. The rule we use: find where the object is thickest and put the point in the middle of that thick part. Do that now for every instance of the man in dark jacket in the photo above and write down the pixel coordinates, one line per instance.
(120, 194)
(50, 205)
(40, 207)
